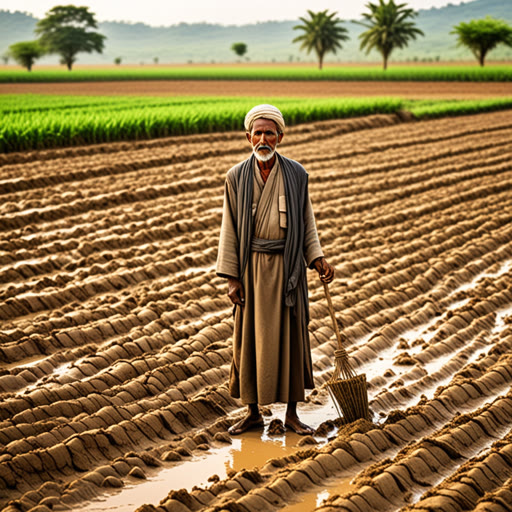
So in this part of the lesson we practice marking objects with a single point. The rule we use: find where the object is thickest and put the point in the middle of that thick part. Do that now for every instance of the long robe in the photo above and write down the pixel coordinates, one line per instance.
(271, 351)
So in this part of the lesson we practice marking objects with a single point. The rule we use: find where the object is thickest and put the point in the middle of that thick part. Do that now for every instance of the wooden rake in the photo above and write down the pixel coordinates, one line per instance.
(348, 390)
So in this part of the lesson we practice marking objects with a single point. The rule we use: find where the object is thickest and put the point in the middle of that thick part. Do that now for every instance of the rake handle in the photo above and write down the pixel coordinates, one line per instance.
(333, 316)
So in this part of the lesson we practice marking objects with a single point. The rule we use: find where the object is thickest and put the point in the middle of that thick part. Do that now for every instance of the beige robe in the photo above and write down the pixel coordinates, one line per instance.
(269, 352)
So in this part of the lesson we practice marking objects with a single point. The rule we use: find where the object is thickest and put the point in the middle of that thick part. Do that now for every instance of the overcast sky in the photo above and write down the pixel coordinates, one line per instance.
(226, 12)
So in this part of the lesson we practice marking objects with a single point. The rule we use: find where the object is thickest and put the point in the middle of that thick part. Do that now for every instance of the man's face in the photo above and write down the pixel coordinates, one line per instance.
(264, 138)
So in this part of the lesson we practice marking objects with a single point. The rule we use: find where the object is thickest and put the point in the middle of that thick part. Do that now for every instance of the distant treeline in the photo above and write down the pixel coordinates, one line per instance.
(137, 43)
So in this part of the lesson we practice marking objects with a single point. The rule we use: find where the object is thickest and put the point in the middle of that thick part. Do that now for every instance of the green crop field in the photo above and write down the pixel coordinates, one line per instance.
(298, 73)
(46, 121)
(40, 122)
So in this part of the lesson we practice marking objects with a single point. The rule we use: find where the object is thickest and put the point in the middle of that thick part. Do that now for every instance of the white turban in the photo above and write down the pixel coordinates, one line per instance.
(264, 111)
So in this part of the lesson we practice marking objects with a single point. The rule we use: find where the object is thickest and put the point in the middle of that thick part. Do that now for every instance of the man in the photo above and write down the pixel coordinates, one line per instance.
(268, 235)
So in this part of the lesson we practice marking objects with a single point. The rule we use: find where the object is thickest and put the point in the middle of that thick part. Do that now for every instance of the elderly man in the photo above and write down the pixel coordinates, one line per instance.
(268, 235)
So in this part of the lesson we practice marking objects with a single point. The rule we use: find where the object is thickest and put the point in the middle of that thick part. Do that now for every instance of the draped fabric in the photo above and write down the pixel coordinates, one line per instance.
(295, 183)
(268, 235)
(269, 246)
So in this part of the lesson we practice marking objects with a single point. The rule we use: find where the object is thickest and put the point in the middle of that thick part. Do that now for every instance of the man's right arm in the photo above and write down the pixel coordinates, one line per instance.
(236, 291)
(227, 257)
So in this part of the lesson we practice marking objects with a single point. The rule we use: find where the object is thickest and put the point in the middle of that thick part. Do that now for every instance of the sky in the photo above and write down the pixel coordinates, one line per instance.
(225, 12)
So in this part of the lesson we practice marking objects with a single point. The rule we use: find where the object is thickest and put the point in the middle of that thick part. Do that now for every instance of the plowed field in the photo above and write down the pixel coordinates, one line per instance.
(115, 338)
(412, 90)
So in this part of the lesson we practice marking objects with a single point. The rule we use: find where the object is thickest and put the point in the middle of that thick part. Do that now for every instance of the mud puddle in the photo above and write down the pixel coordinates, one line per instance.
(505, 267)
(250, 450)
(501, 315)
(156, 488)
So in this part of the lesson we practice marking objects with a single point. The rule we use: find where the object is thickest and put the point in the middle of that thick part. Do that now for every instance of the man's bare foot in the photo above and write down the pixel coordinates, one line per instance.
(246, 423)
(293, 423)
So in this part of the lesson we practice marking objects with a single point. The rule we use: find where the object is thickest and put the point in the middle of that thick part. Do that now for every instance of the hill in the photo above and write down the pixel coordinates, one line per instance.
(204, 42)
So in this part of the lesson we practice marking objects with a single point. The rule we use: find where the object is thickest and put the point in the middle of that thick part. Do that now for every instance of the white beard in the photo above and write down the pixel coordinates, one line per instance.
(264, 157)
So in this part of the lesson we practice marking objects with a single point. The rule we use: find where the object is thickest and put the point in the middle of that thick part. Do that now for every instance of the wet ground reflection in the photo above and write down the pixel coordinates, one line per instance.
(252, 449)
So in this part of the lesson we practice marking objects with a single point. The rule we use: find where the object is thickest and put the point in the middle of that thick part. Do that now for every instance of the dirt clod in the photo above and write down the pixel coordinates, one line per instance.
(276, 427)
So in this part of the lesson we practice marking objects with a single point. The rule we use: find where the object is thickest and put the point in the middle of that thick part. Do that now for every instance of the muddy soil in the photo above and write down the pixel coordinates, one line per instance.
(412, 90)
(115, 333)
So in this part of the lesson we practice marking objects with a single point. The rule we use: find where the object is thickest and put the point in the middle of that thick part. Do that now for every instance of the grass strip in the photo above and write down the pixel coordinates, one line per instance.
(43, 122)
(36, 122)
(430, 109)
(469, 73)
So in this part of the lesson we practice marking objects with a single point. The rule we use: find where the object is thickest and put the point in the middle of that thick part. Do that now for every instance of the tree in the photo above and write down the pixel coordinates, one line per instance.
(25, 53)
(65, 31)
(239, 48)
(388, 28)
(481, 36)
(322, 33)
(5, 58)
(118, 60)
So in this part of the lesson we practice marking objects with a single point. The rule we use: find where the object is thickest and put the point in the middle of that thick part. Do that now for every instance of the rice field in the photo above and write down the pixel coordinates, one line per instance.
(46, 121)
(497, 73)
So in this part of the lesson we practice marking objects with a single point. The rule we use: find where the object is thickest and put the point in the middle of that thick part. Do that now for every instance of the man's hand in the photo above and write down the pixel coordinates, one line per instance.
(325, 271)
(236, 291)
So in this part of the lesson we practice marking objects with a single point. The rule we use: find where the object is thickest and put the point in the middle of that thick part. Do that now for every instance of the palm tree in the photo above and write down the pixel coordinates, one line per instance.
(388, 28)
(322, 33)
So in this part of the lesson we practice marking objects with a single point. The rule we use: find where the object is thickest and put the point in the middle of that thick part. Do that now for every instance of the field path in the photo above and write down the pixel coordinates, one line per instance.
(410, 90)
(115, 333)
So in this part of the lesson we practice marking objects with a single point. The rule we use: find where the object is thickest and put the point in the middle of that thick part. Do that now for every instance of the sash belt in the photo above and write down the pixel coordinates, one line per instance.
(268, 246)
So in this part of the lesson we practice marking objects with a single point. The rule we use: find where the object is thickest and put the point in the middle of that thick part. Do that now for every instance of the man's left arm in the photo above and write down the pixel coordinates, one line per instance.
(312, 250)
